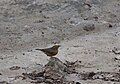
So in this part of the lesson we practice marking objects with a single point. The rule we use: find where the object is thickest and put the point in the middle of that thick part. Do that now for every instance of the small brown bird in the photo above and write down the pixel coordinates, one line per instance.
(52, 51)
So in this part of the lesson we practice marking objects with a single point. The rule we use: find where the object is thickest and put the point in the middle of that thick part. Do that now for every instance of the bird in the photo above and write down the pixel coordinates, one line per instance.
(52, 51)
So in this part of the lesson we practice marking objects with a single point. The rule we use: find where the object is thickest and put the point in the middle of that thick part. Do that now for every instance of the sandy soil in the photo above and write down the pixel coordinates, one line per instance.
(88, 31)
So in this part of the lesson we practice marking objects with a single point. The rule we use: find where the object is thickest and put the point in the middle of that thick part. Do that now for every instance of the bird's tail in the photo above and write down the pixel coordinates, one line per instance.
(38, 49)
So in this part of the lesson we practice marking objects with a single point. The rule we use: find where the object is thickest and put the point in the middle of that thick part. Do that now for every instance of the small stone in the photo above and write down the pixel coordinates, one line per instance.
(110, 25)
(96, 18)
(0, 73)
(40, 11)
(50, 80)
(42, 32)
(14, 68)
(117, 57)
(23, 53)
(89, 27)
(3, 82)
(91, 74)
(78, 83)
(40, 21)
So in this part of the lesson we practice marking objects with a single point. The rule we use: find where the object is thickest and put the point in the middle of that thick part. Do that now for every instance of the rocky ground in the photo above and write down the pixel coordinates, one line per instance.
(87, 30)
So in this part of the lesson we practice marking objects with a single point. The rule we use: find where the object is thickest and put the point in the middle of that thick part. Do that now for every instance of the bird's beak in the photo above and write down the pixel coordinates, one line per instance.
(59, 45)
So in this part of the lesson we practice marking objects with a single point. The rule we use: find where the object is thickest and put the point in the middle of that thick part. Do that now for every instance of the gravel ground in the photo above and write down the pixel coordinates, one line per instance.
(88, 31)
